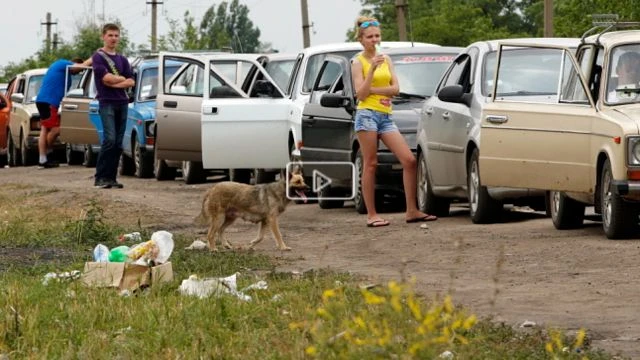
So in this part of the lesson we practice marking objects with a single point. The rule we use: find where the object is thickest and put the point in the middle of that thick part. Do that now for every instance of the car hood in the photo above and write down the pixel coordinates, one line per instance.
(144, 110)
(627, 115)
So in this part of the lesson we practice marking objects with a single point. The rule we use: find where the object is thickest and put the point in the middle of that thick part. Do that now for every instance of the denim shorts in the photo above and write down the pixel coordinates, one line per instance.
(371, 120)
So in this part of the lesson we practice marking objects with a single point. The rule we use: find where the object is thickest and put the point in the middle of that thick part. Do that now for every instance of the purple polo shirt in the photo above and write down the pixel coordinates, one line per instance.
(106, 94)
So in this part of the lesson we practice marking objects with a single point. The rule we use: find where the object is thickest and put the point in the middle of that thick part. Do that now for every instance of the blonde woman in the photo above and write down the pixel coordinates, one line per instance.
(375, 82)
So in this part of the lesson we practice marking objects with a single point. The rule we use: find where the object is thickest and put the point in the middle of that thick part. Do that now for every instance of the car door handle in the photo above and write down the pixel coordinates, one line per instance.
(429, 111)
(170, 104)
(70, 107)
(497, 119)
(210, 110)
(446, 115)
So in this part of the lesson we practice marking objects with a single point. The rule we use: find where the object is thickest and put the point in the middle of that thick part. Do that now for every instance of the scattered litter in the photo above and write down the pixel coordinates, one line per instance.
(368, 286)
(125, 293)
(337, 283)
(134, 236)
(73, 275)
(276, 297)
(197, 245)
(424, 226)
(296, 275)
(101, 253)
(203, 288)
(446, 355)
(527, 324)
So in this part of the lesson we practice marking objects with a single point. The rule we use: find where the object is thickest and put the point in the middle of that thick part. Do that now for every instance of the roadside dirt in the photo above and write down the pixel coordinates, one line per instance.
(521, 269)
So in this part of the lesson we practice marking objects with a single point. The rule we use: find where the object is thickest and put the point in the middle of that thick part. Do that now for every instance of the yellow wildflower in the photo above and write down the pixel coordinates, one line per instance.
(311, 350)
(372, 299)
(579, 338)
(414, 306)
(328, 294)
(469, 322)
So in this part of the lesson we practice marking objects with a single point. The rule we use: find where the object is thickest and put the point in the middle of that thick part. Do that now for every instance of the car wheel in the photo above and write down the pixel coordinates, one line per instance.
(240, 175)
(427, 201)
(262, 176)
(192, 172)
(126, 165)
(13, 154)
(90, 157)
(566, 213)
(161, 170)
(483, 209)
(143, 162)
(73, 157)
(328, 204)
(358, 199)
(28, 155)
(619, 218)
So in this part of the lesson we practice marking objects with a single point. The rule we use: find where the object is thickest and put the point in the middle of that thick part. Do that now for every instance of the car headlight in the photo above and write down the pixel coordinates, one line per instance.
(149, 128)
(633, 148)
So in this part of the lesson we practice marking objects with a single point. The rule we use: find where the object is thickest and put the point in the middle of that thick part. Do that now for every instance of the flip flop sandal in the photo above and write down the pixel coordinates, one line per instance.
(377, 223)
(422, 219)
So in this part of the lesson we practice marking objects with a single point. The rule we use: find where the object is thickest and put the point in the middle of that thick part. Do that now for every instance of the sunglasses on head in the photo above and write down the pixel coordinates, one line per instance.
(366, 24)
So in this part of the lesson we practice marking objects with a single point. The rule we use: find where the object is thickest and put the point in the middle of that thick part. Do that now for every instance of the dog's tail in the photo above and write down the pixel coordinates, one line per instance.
(201, 219)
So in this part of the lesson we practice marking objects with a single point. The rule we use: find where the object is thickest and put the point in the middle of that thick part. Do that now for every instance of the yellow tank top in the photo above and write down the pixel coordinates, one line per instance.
(381, 78)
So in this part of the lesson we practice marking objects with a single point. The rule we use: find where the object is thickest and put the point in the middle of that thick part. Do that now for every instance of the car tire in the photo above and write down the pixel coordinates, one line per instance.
(13, 154)
(483, 209)
(161, 170)
(90, 157)
(240, 175)
(566, 213)
(192, 172)
(263, 176)
(358, 199)
(72, 157)
(126, 166)
(143, 162)
(28, 155)
(328, 204)
(427, 201)
(619, 218)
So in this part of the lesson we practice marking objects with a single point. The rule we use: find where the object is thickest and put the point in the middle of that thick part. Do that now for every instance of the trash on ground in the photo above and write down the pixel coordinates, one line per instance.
(424, 226)
(203, 288)
(123, 276)
(101, 253)
(197, 245)
(134, 236)
(64, 276)
(446, 355)
(527, 324)
(156, 251)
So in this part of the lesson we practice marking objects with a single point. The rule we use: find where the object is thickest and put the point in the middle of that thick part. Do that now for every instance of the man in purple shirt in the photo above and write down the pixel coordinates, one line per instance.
(113, 75)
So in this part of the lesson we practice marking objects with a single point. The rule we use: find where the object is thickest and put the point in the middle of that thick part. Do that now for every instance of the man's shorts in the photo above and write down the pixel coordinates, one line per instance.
(48, 115)
(371, 120)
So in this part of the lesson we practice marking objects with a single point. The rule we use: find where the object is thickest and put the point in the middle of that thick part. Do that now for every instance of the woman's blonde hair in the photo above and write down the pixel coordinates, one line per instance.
(359, 21)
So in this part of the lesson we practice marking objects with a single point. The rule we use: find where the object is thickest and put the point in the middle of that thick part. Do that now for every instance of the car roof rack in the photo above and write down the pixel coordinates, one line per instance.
(603, 23)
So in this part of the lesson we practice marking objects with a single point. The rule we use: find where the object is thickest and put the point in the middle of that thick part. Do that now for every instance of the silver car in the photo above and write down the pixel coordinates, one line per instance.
(448, 136)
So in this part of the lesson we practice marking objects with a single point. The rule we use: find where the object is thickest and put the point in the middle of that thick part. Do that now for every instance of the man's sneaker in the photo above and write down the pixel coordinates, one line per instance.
(116, 185)
(48, 165)
(102, 184)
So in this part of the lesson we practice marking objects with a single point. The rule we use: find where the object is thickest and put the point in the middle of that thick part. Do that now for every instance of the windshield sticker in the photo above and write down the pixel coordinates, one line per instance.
(424, 59)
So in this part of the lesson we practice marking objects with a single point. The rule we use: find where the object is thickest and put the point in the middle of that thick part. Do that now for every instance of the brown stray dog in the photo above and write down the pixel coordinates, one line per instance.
(226, 201)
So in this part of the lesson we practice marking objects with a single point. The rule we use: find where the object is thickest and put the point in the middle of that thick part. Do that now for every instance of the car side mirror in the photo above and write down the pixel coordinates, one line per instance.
(454, 94)
(335, 100)
(264, 88)
(18, 97)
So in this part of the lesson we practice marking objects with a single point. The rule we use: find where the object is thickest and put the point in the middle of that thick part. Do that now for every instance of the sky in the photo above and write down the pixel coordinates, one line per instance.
(279, 21)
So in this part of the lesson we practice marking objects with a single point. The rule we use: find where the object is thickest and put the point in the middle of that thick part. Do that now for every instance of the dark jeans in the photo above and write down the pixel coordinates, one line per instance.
(114, 120)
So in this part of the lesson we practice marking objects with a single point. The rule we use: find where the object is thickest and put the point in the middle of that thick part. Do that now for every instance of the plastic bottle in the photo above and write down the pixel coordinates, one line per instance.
(134, 236)
(101, 253)
(119, 254)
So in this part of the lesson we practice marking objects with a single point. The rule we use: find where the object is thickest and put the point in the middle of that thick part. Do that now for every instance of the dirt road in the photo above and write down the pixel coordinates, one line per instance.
(564, 279)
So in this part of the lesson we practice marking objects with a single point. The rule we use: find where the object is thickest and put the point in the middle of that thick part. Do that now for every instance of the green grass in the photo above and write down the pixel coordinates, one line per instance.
(314, 315)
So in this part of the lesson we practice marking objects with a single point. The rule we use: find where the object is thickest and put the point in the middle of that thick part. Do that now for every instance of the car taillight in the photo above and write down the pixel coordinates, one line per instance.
(34, 123)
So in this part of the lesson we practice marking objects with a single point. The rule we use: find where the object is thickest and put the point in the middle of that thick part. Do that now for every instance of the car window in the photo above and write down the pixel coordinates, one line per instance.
(189, 81)
(148, 87)
(294, 74)
(459, 73)
(313, 67)
(571, 89)
(419, 73)
(330, 73)
(623, 75)
(35, 82)
(235, 70)
(280, 71)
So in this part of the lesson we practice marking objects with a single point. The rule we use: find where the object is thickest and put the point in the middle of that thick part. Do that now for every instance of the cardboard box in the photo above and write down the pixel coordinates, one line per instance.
(125, 276)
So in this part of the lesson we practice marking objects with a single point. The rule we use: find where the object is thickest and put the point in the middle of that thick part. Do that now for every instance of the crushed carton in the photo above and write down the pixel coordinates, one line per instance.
(125, 276)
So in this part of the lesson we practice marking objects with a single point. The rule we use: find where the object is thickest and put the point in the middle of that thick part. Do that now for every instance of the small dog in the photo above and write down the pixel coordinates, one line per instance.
(227, 201)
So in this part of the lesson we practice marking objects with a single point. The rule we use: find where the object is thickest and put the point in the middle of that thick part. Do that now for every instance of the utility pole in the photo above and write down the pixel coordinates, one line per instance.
(154, 23)
(401, 6)
(48, 24)
(548, 18)
(55, 42)
(306, 41)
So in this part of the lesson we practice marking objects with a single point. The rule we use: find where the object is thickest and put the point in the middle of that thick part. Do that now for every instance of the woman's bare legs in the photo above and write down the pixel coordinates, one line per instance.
(395, 142)
(369, 146)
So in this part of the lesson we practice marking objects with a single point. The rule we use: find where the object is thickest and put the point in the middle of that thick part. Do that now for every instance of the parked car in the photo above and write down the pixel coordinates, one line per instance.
(574, 131)
(138, 141)
(3, 88)
(5, 109)
(24, 120)
(327, 121)
(179, 140)
(448, 134)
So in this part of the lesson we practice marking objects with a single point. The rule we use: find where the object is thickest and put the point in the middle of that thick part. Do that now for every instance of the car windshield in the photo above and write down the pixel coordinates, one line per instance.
(280, 71)
(532, 71)
(418, 74)
(623, 75)
(149, 82)
(33, 87)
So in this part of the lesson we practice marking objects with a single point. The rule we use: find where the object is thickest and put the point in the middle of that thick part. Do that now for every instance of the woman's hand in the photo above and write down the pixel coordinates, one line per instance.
(376, 61)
